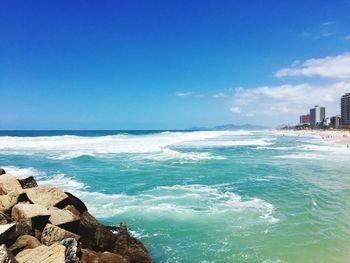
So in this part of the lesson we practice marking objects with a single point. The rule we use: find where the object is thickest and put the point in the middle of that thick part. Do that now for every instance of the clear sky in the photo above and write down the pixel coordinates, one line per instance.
(170, 64)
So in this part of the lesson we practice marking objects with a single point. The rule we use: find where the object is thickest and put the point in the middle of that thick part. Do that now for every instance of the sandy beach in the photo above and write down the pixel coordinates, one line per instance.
(332, 136)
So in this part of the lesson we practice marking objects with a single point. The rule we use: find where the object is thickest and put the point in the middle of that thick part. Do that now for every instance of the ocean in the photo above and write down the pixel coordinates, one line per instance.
(201, 196)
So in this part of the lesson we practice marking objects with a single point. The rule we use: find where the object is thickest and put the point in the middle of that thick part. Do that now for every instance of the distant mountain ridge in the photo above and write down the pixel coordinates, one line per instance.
(230, 127)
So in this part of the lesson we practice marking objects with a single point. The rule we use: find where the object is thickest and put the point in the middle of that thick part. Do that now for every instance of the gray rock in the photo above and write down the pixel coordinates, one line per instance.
(54, 234)
(28, 182)
(72, 249)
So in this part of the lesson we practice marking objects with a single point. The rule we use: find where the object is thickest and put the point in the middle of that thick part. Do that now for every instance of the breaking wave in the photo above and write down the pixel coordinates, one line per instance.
(70, 147)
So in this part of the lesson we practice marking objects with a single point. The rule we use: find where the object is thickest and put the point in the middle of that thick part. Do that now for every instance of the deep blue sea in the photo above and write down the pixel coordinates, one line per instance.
(202, 196)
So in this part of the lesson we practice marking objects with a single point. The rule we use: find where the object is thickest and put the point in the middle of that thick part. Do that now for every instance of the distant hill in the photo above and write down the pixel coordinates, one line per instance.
(231, 127)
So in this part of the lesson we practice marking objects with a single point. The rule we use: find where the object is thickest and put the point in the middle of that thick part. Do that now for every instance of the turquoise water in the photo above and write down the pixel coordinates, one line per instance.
(231, 196)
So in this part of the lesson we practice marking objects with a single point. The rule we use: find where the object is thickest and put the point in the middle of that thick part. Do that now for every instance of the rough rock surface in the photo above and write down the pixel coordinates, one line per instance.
(24, 242)
(77, 203)
(2, 171)
(9, 183)
(46, 196)
(89, 256)
(73, 210)
(10, 190)
(62, 216)
(28, 182)
(8, 201)
(73, 252)
(130, 247)
(53, 234)
(43, 254)
(30, 217)
(29, 211)
(95, 235)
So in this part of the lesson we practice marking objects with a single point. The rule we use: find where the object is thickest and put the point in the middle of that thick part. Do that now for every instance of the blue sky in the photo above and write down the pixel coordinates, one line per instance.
(169, 64)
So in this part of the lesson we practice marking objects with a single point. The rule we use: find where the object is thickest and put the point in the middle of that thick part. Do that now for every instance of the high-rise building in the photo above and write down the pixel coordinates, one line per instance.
(336, 121)
(345, 110)
(304, 119)
(317, 116)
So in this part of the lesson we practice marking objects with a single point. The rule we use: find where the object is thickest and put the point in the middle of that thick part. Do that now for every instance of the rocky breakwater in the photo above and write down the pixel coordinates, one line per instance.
(40, 224)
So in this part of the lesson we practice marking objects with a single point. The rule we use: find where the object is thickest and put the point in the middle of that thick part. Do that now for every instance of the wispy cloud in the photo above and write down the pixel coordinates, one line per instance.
(184, 94)
(319, 31)
(219, 95)
(327, 23)
(336, 67)
(235, 109)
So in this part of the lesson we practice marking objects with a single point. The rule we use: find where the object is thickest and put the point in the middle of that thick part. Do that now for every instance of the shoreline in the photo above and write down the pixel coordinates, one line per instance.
(337, 137)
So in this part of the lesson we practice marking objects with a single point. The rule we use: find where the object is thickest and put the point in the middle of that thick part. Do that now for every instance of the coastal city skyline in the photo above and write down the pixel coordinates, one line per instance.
(317, 118)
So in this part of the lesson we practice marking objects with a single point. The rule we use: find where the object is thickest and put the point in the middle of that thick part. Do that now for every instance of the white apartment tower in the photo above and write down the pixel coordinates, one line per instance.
(317, 116)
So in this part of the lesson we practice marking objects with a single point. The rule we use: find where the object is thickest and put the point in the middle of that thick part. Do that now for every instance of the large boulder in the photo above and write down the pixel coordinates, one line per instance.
(77, 203)
(30, 217)
(94, 235)
(6, 255)
(9, 183)
(28, 182)
(2, 171)
(24, 242)
(43, 254)
(29, 211)
(8, 201)
(10, 191)
(47, 196)
(64, 219)
(54, 234)
(73, 210)
(130, 247)
(7, 233)
(108, 257)
(89, 256)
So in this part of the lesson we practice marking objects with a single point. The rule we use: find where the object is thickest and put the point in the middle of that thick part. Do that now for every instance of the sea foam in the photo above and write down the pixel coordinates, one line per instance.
(70, 147)
(177, 202)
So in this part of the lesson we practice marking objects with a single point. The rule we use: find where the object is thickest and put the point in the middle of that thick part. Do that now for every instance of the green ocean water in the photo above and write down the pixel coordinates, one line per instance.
(216, 196)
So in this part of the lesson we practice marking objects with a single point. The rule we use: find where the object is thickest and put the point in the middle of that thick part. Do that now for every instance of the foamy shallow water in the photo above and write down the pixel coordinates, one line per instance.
(217, 196)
